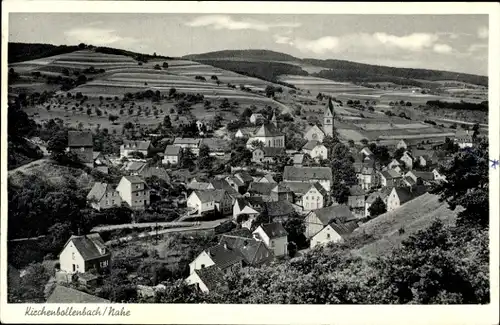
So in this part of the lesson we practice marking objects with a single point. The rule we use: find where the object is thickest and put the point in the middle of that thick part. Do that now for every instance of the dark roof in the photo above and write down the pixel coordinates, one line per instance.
(278, 208)
(268, 130)
(224, 257)
(292, 173)
(211, 276)
(261, 188)
(427, 176)
(134, 166)
(210, 195)
(298, 188)
(136, 145)
(320, 189)
(409, 180)
(244, 176)
(311, 144)
(65, 295)
(235, 180)
(390, 174)
(172, 150)
(281, 188)
(383, 194)
(269, 178)
(255, 202)
(356, 190)
(253, 251)
(88, 246)
(273, 230)
(243, 232)
(341, 212)
(80, 139)
(216, 145)
(343, 228)
(98, 191)
(188, 141)
(222, 184)
(134, 179)
(406, 194)
(159, 172)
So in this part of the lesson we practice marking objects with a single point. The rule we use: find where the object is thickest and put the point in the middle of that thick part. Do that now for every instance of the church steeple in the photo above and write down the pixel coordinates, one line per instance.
(328, 116)
(273, 119)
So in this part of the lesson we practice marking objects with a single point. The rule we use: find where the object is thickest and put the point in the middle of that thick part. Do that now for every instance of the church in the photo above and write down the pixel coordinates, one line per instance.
(319, 133)
(269, 135)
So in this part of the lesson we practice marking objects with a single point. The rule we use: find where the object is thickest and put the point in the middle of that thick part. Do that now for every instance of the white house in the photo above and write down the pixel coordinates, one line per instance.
(220, 255)
(407, 159)
(274, 237)
(80, 254)
(383, 194)
(315, 149)
(316, 220)
(190, 143)
(315, 198)
(256, 118)
(250, 206)
(172, 155)
(134, 191)
(267, 154)
(130, 146)
(438, 176)
(103, 196)
(335, 232)
(322, 175)
(401, 195)
(367, 178)
(203, 201)
(464, 139)
(314, 133)
(206, 279)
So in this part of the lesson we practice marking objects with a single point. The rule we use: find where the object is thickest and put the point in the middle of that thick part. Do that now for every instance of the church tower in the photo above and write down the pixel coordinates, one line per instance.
(328, 118)
(273, 119)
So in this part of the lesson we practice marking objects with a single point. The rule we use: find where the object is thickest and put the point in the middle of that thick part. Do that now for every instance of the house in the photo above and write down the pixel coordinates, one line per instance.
(150, 171)
(268, 178)
(334, 232)
(438, 176)
(222, 184)
(81, 254)
(244, 177)
(269, 135)
(315, 150)
(421, 177)
(267, 154)
(319, 133)
(383, 194)
(134, 191)
(281, 193)
(424, 157)
(356, 201)
(366, 152)
(103, 196)
(401, 195)
(254, 252)
(278, 210)
(390, 178)
(101, 162)
(251, 206)
(66, 295)
(221, 256)
(261, 189)
(134, 167)
(206, 279)
(217, 147)
(81, 144)
(245, 132)
(300, 160)
(235, 183)
(408, 181)
(203, 126)
(172, 155)
(463, 138)
(129, 146)
(188, 143)
(274, 237)
(316, 220)
(407, 159)
(323, 175)
(199, 184)
(257, 118)
(395, 165)
(203, 201)
(367, 177)
(299, 189)
(316, 197)
(402, 144)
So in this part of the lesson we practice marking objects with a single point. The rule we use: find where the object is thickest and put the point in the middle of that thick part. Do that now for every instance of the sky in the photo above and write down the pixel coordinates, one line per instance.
(443, 42)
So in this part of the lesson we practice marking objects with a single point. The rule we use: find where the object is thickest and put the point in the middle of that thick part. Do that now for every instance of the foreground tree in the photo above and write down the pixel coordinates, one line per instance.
(377, 208)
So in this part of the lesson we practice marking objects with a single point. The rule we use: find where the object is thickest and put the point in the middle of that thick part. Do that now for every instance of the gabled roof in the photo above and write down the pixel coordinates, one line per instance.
(367, 170)
(235, 180)
(88, 246)
(310, 145)
(65, 295)
(383, 194)
(317, 127)
(292, 173)
(298, 158)
(367, 151)
(343, 228)
(319, 188)
(210, 195)
(80, 139)
(243, 232)
(422, 153)
(254, 202)
(223, 256)
(261, 188)
(134, 179)
(390, 174)
(427, 176)
(268, 177)
(406, 194)
(211, 276)
(172, 150)
(216, 144)
(244, 176)
(268, 130)
(273, 230)
(134, 166)
(160, 172)
(281, 188)
(409, 180)
(298, 188)
(253, 251)
(136, 145)
(278, 208)
(187, 141)
(356, 190)
(222, 184)
(98, 191)
(341, 212)
(257, 115)
(272, 151)
(248, 131)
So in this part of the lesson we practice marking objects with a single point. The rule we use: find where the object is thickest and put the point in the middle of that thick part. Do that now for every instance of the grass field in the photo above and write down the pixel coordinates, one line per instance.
(413, 216)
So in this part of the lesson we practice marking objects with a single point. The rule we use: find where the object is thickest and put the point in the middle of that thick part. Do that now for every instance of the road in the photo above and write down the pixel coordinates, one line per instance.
(460, 122)
(142, 225)
(204, 225)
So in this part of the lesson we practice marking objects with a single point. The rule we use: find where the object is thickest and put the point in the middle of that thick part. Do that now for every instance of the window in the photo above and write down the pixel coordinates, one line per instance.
(202, 266)
(328, 120)
(272, 243)
(73, 255)
(82, 149)
(327, 236)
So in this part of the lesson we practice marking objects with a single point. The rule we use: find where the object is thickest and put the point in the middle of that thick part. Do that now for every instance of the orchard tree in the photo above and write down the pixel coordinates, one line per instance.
(377, 208)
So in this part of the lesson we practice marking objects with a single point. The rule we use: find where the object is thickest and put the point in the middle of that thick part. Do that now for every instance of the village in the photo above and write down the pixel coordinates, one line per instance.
(250, 206)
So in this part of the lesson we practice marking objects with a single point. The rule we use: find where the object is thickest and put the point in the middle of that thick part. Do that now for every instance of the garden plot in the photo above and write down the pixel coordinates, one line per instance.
(349, 134)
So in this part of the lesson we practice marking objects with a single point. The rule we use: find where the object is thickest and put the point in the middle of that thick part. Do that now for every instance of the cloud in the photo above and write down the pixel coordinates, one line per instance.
(483, 32)
(97, 36)
(227, 22)
(376, 43)
(442, 48)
